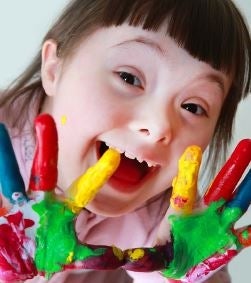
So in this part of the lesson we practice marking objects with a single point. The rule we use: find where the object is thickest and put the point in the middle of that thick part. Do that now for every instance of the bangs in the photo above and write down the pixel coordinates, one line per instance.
(210, 30)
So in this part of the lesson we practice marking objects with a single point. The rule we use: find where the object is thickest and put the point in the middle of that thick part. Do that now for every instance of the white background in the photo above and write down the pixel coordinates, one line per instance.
(22, 26)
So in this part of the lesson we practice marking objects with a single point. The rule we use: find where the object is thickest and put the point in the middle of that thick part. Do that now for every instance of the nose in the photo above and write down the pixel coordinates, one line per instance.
(155, 127)
(155, 135)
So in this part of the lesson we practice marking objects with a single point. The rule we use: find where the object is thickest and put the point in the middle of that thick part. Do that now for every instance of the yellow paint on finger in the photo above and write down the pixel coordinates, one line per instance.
(70, 257)
(118, 253)
(84, 189)
(185, 183)
(136, 254)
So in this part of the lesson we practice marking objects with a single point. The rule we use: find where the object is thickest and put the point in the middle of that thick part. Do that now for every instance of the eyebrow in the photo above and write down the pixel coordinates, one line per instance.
(218, 79)
(145, 41)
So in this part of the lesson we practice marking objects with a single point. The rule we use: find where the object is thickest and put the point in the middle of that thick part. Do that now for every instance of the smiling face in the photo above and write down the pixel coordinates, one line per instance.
(135, 91)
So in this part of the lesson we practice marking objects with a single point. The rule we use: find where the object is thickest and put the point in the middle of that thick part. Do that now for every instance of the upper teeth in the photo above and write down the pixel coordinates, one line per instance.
(131, 156)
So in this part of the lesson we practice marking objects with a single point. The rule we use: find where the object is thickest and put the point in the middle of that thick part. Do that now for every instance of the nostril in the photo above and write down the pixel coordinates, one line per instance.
(163, 139)
(159, 137)
(145, 132)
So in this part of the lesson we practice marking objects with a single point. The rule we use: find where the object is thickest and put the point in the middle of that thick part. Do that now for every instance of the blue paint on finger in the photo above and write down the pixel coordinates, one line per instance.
(11, 181)
(242, 198)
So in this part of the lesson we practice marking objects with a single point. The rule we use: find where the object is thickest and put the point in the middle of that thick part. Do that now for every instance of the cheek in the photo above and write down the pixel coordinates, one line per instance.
(81, 122)
(202, 135)
(206, 135)
(89, 99)
(201, 139)
(93, 104)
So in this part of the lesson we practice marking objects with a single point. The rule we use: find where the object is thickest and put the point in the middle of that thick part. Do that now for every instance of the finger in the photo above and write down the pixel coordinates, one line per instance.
(184, 190)
(209, 266)
(235, 208)
(84, 189)
(226, 180)
(244, 236)
(44, 167)
(185, 183)
(11, 181)
(242, 198)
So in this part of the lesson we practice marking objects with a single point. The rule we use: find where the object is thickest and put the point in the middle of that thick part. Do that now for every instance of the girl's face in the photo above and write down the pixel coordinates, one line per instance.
(138, 92)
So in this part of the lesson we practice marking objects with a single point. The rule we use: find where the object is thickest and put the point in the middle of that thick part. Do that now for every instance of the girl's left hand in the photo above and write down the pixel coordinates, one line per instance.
(204, 236)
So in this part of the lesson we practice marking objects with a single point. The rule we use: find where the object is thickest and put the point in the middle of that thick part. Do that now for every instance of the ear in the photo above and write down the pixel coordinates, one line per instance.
(50, 69)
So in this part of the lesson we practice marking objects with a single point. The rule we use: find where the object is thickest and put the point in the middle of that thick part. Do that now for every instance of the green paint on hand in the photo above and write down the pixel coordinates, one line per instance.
(245, 235)
(198, 236)
(56, 240)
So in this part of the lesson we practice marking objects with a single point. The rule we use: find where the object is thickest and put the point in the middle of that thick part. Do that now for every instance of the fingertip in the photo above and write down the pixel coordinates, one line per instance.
(44, 167)
(224, 184)
(185, 183)
(11, 180)
(244, 236)
(84, 189)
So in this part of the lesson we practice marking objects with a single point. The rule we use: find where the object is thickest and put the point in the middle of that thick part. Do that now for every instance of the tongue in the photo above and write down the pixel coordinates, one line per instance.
(130, 170)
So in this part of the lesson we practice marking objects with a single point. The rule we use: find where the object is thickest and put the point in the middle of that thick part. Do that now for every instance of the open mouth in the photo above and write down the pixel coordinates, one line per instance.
(130, 174)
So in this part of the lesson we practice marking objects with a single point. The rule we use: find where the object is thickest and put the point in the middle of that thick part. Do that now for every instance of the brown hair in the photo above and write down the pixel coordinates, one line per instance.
(213, 31)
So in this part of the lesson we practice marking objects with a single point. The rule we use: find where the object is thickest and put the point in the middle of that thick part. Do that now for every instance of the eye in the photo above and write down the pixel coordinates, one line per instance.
(130, 79)
(194, 108)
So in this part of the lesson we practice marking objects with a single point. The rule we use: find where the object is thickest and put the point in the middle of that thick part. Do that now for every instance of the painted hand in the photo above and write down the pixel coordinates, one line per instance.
(205, 241)
(37, 227)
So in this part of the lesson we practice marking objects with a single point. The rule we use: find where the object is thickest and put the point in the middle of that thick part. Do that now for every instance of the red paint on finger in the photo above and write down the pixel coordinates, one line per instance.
(16, 249)
(209, 266)
(44, 168)
(226, 180)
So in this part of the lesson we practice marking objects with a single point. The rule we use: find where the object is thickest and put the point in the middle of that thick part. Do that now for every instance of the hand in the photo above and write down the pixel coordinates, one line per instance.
(38, 234)
(205, 241)
(37, 228)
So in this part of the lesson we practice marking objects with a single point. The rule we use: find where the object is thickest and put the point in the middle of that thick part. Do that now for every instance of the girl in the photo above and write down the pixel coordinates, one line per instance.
(146, 77)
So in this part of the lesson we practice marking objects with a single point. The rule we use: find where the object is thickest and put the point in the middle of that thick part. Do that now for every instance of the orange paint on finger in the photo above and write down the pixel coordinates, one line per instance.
(244, 237)
(3, 211)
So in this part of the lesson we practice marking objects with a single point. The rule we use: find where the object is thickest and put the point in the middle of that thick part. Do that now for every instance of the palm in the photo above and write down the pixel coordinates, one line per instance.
(205, 241)
(38, 227)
